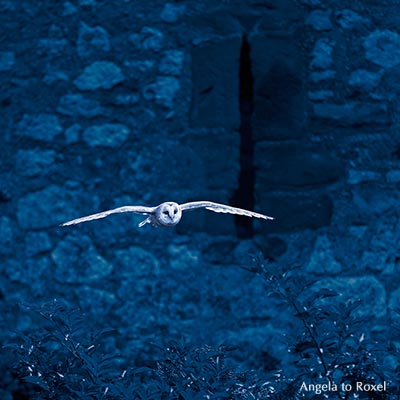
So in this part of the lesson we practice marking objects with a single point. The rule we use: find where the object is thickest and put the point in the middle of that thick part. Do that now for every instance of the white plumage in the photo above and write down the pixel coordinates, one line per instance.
(169, 213)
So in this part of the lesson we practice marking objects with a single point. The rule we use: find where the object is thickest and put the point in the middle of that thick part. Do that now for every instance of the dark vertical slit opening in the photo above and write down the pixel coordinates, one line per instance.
(244, 195)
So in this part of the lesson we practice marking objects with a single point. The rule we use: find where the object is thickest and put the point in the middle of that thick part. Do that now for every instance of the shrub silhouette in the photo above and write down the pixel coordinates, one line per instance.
(65, 360)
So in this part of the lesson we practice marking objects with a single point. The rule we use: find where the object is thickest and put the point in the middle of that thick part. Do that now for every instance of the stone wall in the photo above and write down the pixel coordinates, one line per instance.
(140, 103)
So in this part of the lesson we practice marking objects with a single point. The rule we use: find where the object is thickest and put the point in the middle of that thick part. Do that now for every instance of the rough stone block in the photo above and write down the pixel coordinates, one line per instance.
(353, 113)
(163, 91)
(320, 76)
(172, 63)
(36, 243)
(34, 162)
(355, 177)
(92, 40)
(52, 206)
(72, 133)
(382, 47)
(43, 127)
(348, 19)
(215, 73)
(76, 104)
(320, 95)
(138, 271)
(172, 12)
(78, 261)
(99, 75)
(148, 39)
(364, 80)
(107, 135)
(7, 60)
(322, 54)
(95, 301)
(320, 20)
(322, 260)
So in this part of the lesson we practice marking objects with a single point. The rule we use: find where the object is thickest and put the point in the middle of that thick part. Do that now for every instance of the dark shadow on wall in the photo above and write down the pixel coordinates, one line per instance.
(244, 195)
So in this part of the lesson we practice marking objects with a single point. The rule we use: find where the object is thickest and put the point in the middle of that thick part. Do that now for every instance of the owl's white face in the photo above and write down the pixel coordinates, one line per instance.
(168, 214)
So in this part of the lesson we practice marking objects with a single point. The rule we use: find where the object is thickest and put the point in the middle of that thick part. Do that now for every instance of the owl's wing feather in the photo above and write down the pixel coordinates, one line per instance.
(134, 209)
(221, 208)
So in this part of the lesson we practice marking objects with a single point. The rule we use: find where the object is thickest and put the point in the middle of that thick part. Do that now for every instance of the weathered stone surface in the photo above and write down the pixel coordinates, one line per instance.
(376, 260)
(368, 200)
(127, 99)
(95, 301)
(366, 288)
(77, 261)
(51, 46)
(284, 19)
(36, 243)
(378, 251)
(320, 20)
(34, 162)
(92, 40)
(215, 69)
(183, 257)
(148, 39)
(7, 60)
(138, 271)
(355, 176)
(108, 135)
(320, 95)
(364, 80)
(279, 107)
(320, 76)
(182, 160)
(322, 260)
(172, 63)
(348, 19)
(393, 176)
(43, 127)
(394, 306)
(135, 262)
(76, 104)
(7, 234)
(353, 112)
(172, 12)
(51, 206)
(72, 133)
(68, 9)
(322, 54)
(32, 272)
(382, 47)
(311, 3)
(163, 91)
(311, 211)
(99, 75)
(87, 2)
(295, 166)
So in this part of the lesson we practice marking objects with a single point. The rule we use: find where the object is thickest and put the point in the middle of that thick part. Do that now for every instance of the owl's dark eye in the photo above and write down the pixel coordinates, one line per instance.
(165, 212)
(176, 211)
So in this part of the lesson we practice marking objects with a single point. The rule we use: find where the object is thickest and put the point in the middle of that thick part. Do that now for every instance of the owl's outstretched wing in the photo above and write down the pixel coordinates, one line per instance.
(134, 209)
(221, 208)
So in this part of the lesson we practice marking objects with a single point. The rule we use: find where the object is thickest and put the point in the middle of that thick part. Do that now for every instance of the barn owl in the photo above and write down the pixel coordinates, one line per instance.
(169, 213)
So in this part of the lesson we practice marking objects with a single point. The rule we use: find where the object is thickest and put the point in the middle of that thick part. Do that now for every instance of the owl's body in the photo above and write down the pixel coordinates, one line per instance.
(169, 214)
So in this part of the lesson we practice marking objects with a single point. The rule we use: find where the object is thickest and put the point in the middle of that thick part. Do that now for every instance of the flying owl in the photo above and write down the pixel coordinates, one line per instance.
(169, 213)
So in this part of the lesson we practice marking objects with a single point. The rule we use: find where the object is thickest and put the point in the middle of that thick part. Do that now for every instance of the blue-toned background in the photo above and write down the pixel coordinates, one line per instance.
(289, 108)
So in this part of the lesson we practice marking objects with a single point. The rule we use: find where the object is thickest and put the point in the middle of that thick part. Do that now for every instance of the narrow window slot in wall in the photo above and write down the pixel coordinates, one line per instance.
(244, 195)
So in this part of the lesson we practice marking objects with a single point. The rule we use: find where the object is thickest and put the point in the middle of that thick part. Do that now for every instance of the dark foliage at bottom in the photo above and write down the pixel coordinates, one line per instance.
(331, 354)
